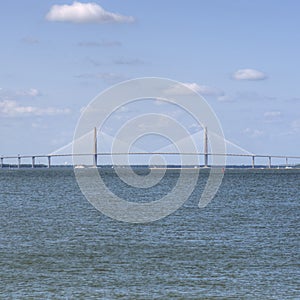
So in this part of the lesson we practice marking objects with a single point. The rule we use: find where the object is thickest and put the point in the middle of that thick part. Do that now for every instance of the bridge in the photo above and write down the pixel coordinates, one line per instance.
(6, 161)
(95, 157)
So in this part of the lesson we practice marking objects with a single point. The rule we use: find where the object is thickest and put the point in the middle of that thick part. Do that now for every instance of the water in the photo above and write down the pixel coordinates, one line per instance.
(244, 245)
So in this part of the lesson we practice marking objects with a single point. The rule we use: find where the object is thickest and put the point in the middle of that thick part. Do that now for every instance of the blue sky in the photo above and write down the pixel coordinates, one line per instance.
(242, 56)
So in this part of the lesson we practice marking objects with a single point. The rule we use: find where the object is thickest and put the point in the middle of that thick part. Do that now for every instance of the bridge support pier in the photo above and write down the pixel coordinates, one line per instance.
(253, 162)
(19, 161)
(1, 165)
(205, 146)
(270, 162)
(95, 158)
(33, 162)
(286, 162)
(49, 161)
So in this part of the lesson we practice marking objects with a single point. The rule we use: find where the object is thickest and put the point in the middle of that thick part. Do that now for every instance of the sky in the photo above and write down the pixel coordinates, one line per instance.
(241, 56)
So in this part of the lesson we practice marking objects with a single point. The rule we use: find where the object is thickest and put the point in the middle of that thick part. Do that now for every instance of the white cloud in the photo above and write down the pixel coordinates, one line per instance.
(249, 74)
(10, 108)
(296, 125)
(225, 98)
(107, 77)
(159, 102)
(31, 92)
(39, 124)
(209, 91)
(204, 90)
(85, 13)
(254, 133)
(6, 93)
(272, 114)
(124, 61)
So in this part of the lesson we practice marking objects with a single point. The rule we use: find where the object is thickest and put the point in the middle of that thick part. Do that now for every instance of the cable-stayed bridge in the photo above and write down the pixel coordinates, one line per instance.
(98, 152)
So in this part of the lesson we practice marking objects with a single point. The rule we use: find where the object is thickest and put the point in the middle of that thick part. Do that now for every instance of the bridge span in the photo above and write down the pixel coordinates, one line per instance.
(285, 160)
(16, 160)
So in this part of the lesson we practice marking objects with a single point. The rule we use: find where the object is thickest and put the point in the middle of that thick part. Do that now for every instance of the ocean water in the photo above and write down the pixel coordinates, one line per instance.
(244, 245)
